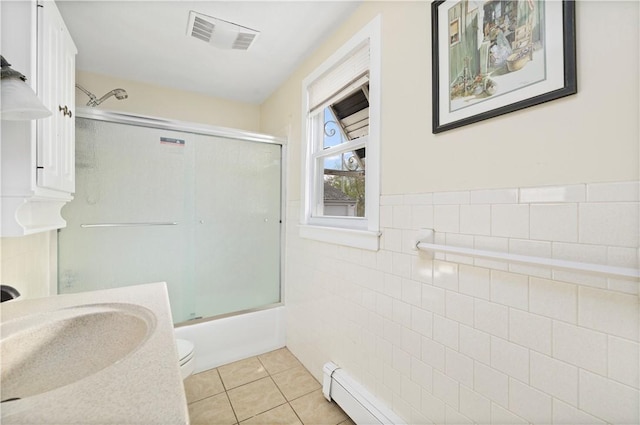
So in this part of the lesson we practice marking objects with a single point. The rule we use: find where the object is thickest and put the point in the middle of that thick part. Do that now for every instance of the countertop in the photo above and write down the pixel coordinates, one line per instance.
(144, 388)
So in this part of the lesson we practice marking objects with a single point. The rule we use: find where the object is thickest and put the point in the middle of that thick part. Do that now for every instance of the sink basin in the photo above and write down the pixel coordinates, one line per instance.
(45, 351)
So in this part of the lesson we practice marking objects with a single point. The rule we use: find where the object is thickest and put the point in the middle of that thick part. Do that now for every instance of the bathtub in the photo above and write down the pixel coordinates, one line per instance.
(227, 339)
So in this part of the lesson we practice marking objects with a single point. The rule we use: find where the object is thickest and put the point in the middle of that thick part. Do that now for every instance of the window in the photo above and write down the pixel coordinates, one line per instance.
(341, 114)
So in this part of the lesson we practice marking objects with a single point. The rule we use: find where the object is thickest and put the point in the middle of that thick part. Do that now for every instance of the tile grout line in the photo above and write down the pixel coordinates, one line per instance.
(235, 415)
(226, 393)
(295, 413)
(270, 376)
(288, 402)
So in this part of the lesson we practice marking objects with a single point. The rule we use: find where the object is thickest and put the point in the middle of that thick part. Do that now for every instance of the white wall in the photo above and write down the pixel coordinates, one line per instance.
(454, 340)
(588, 137)
(165, 102)
(28, 264)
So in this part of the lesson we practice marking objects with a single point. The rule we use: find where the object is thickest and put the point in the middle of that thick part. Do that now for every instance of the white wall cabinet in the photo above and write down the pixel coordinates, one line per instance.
(38, 157)
(56, 85)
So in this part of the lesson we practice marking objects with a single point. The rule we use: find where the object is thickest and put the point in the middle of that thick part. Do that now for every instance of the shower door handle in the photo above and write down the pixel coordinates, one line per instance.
(167, 223)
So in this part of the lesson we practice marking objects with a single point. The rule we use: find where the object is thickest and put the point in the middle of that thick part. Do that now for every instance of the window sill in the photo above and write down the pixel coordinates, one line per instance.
(363, 239)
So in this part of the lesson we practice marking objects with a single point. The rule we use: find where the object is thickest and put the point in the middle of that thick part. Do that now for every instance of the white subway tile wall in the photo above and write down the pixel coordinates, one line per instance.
(453, 339)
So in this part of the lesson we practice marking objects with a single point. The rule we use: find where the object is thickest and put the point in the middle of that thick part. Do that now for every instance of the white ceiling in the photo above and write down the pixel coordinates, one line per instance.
(147, 41)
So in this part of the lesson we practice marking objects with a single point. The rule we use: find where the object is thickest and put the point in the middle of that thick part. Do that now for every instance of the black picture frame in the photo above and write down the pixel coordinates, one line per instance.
(495, 40)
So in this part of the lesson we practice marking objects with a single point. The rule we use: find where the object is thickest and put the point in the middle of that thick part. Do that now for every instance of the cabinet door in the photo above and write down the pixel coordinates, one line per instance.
(67, 129)
(56, 83)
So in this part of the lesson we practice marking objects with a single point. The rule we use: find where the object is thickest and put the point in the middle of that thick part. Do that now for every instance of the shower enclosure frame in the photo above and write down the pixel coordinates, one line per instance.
(215, 131)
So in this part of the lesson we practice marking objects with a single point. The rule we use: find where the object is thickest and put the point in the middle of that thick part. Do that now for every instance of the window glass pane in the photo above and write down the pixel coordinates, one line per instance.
(347, 118)
(343, 188)
(332, 133)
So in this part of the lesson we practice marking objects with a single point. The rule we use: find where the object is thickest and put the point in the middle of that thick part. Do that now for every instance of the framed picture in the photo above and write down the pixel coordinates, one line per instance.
(493, 57)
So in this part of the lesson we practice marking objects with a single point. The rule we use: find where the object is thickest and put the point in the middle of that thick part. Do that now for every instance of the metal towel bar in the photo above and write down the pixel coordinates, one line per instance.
(422, 244)
(167, 223)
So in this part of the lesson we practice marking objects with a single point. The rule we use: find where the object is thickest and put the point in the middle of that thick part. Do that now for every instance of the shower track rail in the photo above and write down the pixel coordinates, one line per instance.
(167, 223)
(424, 243)
(182, 126)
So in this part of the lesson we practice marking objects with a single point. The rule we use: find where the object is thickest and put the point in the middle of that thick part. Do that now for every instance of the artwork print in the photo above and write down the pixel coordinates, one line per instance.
(495, 56)
(501, 50)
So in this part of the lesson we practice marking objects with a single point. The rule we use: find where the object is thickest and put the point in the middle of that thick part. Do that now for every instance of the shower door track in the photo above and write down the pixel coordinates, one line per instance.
(188, 127)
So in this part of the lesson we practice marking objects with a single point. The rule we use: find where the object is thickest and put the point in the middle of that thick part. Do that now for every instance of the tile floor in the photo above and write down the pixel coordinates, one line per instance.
(269, 389)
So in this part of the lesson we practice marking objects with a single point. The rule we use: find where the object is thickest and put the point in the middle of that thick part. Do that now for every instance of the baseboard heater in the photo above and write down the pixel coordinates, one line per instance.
(361, 406)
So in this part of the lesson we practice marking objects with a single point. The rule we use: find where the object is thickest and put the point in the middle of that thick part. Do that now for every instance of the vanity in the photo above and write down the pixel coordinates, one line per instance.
(95, 357)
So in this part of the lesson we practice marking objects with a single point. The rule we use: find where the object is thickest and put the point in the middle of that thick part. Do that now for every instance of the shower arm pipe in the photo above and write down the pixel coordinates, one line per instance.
(92, 97)
(425, 243)
(166, 223)
(94, 101)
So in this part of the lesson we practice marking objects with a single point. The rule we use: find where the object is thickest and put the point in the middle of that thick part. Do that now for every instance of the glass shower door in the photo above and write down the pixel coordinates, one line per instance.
(199, 212)
(237, 192)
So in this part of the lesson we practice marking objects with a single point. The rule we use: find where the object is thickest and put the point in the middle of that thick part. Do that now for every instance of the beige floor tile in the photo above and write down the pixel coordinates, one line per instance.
(255, 398)
(242, 372)
(281, 415)
(278, 360)
(314, 409)
(214, 410)
(347, 422)
(295, 382)
(203, 385)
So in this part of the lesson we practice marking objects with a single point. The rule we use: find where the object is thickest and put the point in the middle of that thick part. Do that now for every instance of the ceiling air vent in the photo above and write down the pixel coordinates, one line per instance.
(220, 33)
(202, 29)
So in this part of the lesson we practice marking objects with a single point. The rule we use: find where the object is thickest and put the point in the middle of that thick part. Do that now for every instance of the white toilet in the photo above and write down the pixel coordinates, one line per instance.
(185, 355)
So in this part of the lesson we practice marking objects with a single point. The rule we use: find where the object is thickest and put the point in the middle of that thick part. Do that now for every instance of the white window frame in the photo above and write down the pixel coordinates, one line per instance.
(357, 232)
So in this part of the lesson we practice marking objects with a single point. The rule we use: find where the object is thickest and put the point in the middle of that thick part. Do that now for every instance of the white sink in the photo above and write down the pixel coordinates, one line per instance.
(45, 351)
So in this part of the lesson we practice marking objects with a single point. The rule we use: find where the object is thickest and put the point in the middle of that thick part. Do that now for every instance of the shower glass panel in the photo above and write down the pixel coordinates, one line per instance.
(200, 212)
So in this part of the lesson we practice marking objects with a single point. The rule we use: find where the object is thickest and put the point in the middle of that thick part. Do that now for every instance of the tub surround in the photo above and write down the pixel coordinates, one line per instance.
(145, 386)
(229, 339)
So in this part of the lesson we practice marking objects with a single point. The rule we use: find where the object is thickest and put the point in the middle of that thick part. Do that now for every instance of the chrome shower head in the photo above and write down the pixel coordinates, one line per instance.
(120, 94)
